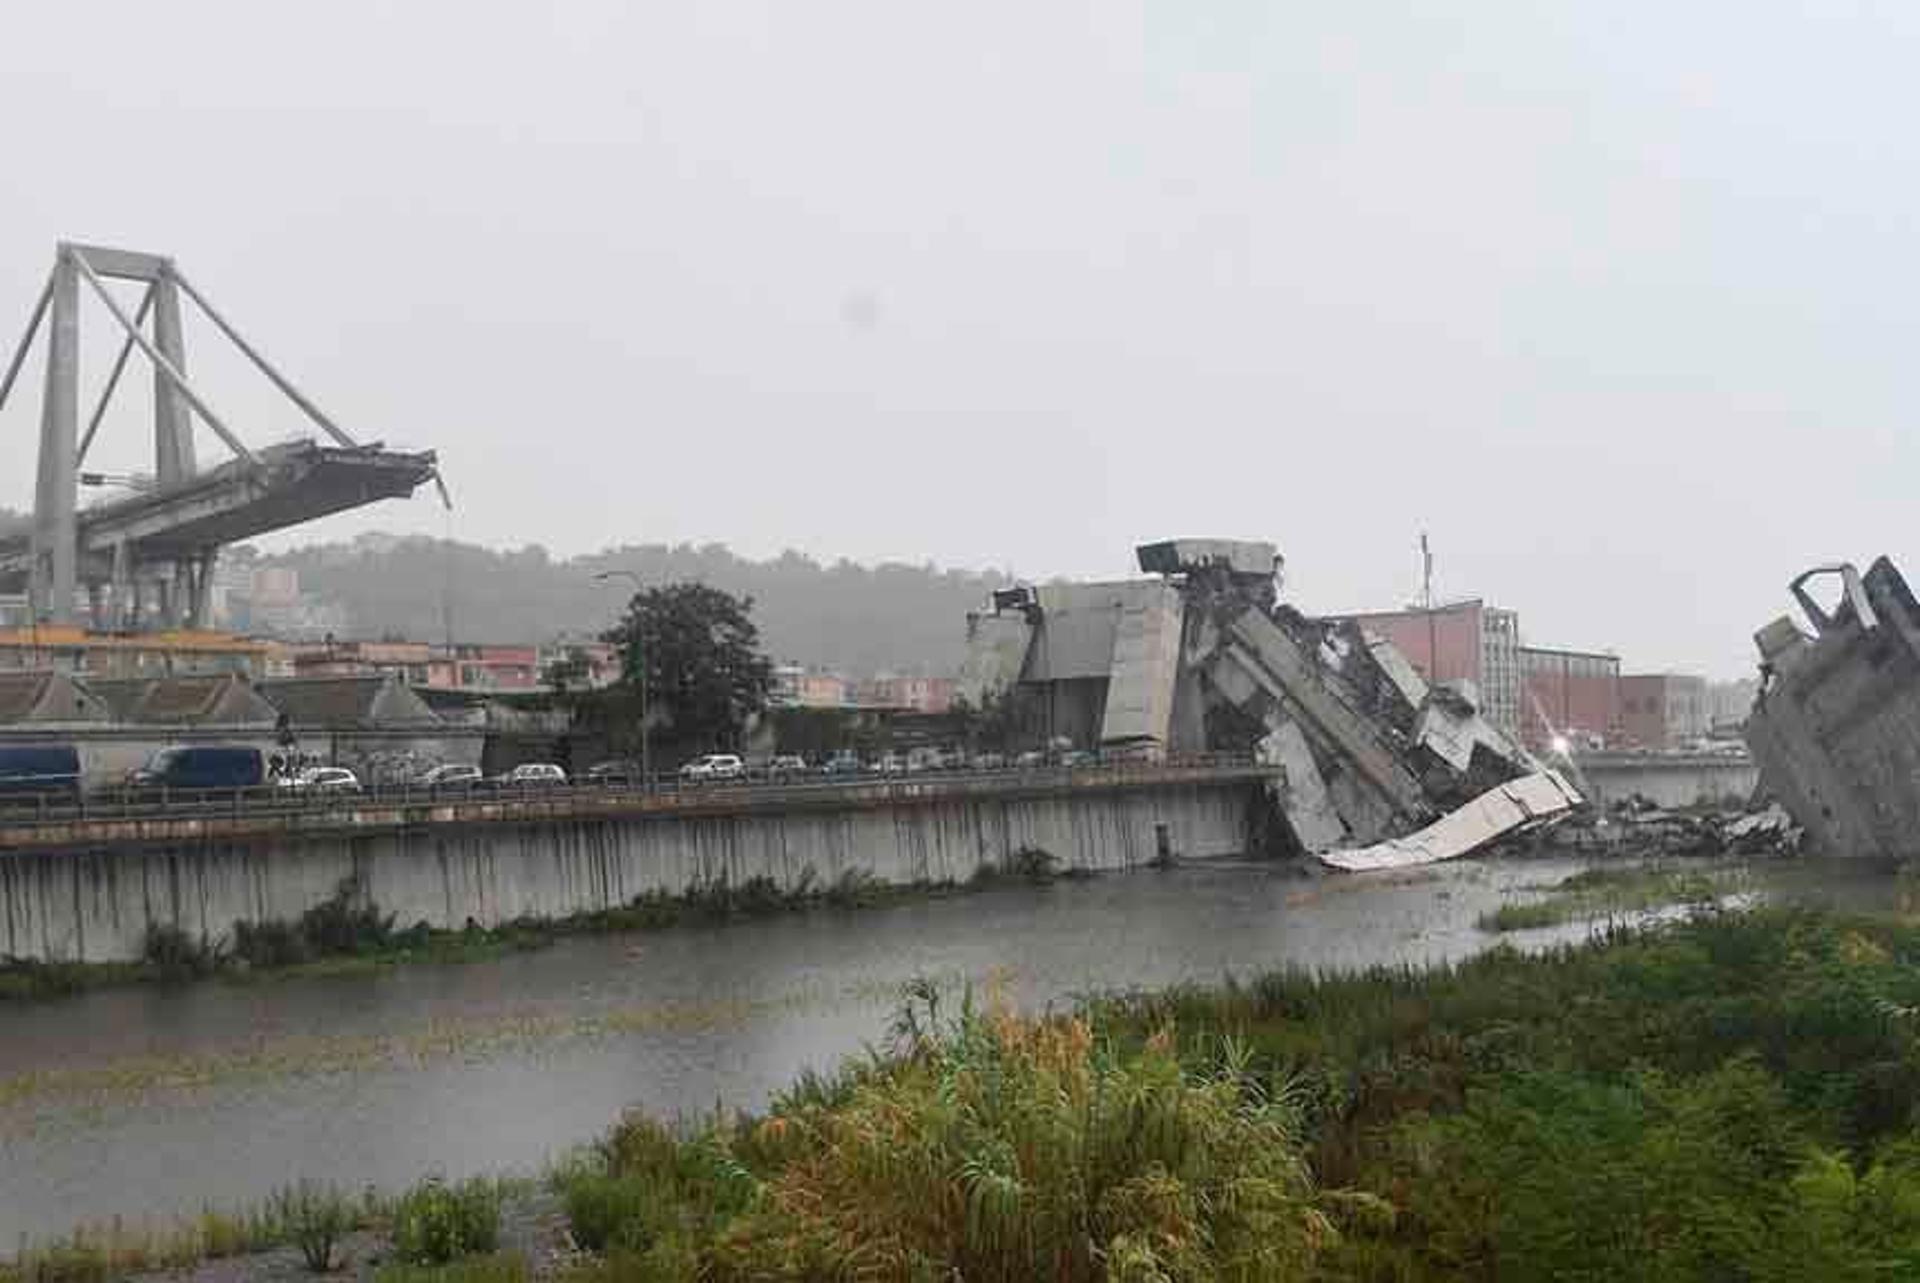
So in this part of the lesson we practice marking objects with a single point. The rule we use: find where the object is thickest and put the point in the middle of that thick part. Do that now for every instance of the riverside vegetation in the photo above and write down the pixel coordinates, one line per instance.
(423, 1232)
(1729, 1096)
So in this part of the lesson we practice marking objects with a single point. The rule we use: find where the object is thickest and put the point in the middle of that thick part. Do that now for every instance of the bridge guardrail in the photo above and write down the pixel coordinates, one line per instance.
(279, 801)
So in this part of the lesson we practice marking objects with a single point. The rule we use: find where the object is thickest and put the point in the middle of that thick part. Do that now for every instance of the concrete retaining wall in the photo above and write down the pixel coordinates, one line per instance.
(1668, 781)
(96, 905)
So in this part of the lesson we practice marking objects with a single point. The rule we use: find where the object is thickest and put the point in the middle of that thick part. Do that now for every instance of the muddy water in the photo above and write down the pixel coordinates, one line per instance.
(148, 1102)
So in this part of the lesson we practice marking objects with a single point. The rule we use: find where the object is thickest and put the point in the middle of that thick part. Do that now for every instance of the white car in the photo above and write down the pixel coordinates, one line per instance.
(324, 779)
(715, 766)
(532, 775)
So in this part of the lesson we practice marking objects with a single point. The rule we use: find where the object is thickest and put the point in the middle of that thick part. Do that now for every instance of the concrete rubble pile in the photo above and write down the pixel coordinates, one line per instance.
(1373, 768)
(1650, 830)
(1835, 729)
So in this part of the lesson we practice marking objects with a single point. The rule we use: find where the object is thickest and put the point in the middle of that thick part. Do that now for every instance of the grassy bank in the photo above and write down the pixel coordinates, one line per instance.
(416, 1234)
(1732, 1097)
(1612, 891)
(347, 933)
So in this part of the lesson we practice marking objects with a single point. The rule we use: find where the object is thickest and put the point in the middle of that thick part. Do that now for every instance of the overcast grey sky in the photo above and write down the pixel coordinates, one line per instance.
(1614, 299)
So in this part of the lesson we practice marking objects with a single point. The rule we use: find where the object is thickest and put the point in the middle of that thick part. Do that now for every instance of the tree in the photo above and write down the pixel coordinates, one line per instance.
(695, 652)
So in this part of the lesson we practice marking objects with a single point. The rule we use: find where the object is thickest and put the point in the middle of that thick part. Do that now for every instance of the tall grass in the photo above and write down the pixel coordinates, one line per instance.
(986, 1147)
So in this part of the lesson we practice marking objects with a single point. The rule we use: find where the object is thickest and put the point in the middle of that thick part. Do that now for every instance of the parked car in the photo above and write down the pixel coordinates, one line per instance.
(450, 776)
(1030, 760)
(39, 770)
(891, 764)
(925, 759)
(844, 762)
(323, 779)
(787, 766)
(1078, 757)
(714, 767)
(202, 766)
(532, 775)
(613, 774)
(989, 761)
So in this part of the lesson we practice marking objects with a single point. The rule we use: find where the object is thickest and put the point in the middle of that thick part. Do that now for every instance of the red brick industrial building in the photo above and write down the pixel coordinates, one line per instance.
(1574, 693)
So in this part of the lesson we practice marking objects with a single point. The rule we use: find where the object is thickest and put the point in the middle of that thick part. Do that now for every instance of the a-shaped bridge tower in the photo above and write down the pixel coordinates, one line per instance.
(147, 560)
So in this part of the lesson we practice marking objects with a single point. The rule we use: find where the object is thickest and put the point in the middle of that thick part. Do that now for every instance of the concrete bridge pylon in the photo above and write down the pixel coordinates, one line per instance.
(149, 559)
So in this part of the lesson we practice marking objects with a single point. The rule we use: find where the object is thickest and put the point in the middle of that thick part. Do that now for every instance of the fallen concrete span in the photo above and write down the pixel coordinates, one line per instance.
(1502, 811)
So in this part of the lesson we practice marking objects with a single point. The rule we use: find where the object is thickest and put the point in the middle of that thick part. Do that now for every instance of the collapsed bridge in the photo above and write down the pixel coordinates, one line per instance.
(147, 559)
(1375, 766)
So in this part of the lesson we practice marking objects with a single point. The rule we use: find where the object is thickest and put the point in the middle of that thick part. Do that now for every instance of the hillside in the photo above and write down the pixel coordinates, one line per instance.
(857, 618)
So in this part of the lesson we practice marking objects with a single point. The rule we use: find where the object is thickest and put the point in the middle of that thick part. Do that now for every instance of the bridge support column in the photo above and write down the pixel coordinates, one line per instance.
(125, 607)
(200, 589)
(55, 543)
(172, 421)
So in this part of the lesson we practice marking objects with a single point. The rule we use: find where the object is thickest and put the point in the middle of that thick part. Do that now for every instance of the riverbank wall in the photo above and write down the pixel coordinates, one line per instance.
(1667, 780)
(90, 890)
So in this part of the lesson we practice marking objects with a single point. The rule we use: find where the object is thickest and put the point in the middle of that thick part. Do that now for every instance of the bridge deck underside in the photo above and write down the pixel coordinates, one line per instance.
(229, 504)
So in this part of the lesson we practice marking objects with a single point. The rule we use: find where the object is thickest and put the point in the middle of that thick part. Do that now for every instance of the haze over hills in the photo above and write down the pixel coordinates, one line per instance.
(860, 619)
(839, 615)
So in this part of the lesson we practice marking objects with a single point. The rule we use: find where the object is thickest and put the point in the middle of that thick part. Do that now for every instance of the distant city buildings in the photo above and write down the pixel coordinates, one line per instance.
(1544, 693)
(795, 686)
(913, 694)
(69, 649)
(463, 666)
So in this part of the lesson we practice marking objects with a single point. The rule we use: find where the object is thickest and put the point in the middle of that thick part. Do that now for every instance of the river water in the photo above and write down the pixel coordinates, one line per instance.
(148, 1102)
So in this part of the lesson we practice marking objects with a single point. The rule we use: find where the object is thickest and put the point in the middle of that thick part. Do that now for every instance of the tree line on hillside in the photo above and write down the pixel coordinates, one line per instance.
(859, 619)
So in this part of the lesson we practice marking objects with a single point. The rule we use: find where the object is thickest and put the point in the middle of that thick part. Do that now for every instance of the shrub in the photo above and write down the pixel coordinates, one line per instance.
(1033, 864)
(1026, 864)
(854, 888)
(986, 1147)
(315, 1217)
(1000, 1148)
(605, 1210)
(435, 1222)
(272, 943)
(345, 923)
(172, 952)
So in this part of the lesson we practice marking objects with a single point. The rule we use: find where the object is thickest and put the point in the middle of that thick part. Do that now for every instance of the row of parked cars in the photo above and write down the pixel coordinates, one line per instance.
(41, 770)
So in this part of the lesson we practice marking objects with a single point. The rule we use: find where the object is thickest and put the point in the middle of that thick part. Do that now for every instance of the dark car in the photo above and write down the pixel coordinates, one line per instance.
(39, 769)
(202, 766)
(613, 774)
(452, 776)
(787, 766)
(845, 762)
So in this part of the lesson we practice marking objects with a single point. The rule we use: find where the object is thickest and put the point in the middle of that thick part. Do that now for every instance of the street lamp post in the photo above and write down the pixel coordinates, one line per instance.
(646, 755)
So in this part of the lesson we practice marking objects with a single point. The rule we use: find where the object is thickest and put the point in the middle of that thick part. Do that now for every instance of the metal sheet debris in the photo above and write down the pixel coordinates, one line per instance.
(1502, 810)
